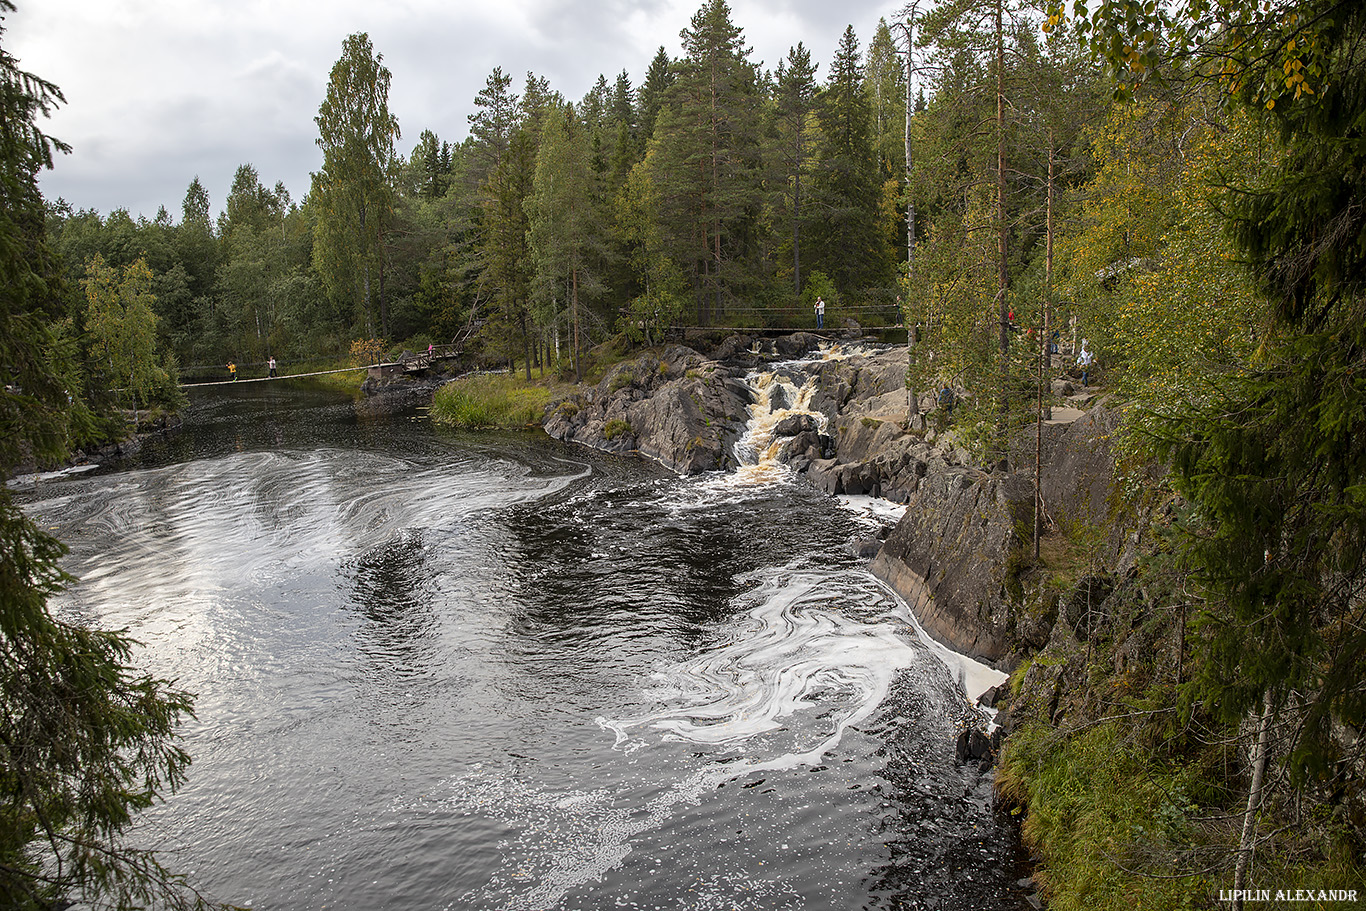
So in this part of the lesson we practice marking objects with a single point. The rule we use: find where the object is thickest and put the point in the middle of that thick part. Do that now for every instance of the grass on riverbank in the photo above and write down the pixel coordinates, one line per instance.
(490, 401)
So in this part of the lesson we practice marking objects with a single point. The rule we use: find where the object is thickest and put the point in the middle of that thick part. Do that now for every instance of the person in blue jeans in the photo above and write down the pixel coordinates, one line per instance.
(1084, 360)
(820, 313)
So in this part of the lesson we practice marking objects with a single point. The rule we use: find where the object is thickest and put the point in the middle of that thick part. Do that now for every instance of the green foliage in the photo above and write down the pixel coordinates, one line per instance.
(708, 161)
(504, 244)
(489, 402)
(122, 329)
(819, 285)
(567, 233)
(885, 84)
(851, 246)
(352, 192)
(1153, 275)
(1273, 459)
(953, 306)
(664, 296)
(794, 152)
(615, 428)
(88, 742)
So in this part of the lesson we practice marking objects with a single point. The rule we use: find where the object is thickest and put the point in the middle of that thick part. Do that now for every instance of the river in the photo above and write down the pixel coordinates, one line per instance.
(443, 670)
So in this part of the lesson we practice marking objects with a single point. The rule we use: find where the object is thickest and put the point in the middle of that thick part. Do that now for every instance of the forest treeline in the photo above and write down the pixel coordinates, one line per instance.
(713, 192)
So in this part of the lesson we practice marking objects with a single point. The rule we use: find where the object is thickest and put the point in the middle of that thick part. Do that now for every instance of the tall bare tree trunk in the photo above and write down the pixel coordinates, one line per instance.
(910, 107)
(1254, 800)
(1044, 357)
(797, 214)
(369, 321)
(1038, 447)
(383, 303)
(912, 400)
(526, 344)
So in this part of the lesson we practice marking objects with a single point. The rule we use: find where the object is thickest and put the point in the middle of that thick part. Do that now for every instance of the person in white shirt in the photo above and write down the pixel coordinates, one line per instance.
(1084, 360)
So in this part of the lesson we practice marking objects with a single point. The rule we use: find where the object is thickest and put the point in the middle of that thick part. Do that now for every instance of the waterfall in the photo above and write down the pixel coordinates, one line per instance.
(777, 397)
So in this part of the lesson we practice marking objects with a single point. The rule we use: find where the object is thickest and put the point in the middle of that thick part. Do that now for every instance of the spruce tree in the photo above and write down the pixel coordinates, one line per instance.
(853, 252)
(86, 740)
(709, 165)
(795, 149)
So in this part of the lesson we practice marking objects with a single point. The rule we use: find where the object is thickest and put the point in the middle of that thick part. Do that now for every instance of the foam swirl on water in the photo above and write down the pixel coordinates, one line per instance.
(815, 655)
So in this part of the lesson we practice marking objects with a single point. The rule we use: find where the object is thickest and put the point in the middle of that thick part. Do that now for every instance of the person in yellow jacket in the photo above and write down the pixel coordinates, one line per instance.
(232, 371)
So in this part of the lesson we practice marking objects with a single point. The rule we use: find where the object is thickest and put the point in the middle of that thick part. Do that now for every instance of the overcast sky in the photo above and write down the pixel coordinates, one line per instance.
(159, 91)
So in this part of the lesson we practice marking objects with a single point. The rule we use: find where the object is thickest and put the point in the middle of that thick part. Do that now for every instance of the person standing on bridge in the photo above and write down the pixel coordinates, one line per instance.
(232, 371)
(820, 313)
(271, 363)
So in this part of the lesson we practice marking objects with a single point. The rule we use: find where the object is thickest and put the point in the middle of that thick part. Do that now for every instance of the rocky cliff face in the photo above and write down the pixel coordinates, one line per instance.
(949, 557)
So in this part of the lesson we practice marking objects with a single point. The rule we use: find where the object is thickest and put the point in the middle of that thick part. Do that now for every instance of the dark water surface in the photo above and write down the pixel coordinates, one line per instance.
(449, 671)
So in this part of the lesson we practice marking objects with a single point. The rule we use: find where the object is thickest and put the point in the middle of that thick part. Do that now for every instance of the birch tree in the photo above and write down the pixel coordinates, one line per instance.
(352, 193)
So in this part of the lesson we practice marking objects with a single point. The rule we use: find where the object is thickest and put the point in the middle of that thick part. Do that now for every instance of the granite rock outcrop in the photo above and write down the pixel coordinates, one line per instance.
(675, 406)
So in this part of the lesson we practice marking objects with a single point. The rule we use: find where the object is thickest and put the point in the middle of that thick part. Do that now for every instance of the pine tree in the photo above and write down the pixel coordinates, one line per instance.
(709, 165)
(795, 148)
(491, 126)
(506, 257)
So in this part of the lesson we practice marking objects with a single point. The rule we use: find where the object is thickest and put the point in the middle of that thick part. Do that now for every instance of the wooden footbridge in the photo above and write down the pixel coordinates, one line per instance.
(417, 363)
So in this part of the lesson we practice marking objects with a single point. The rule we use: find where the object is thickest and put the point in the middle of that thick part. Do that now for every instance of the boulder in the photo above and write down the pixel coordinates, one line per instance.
(734, 347)
(795, 424)
(796, 344)
(972, 746)
(867, 549)
(1078, 479)
(806, 445)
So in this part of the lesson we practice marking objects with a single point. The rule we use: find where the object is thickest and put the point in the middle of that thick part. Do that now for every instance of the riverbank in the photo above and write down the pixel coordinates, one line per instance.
(150, 426)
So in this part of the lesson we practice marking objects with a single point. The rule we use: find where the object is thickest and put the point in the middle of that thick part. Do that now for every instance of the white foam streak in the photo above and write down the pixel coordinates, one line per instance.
(973, 677)
(799, 672)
